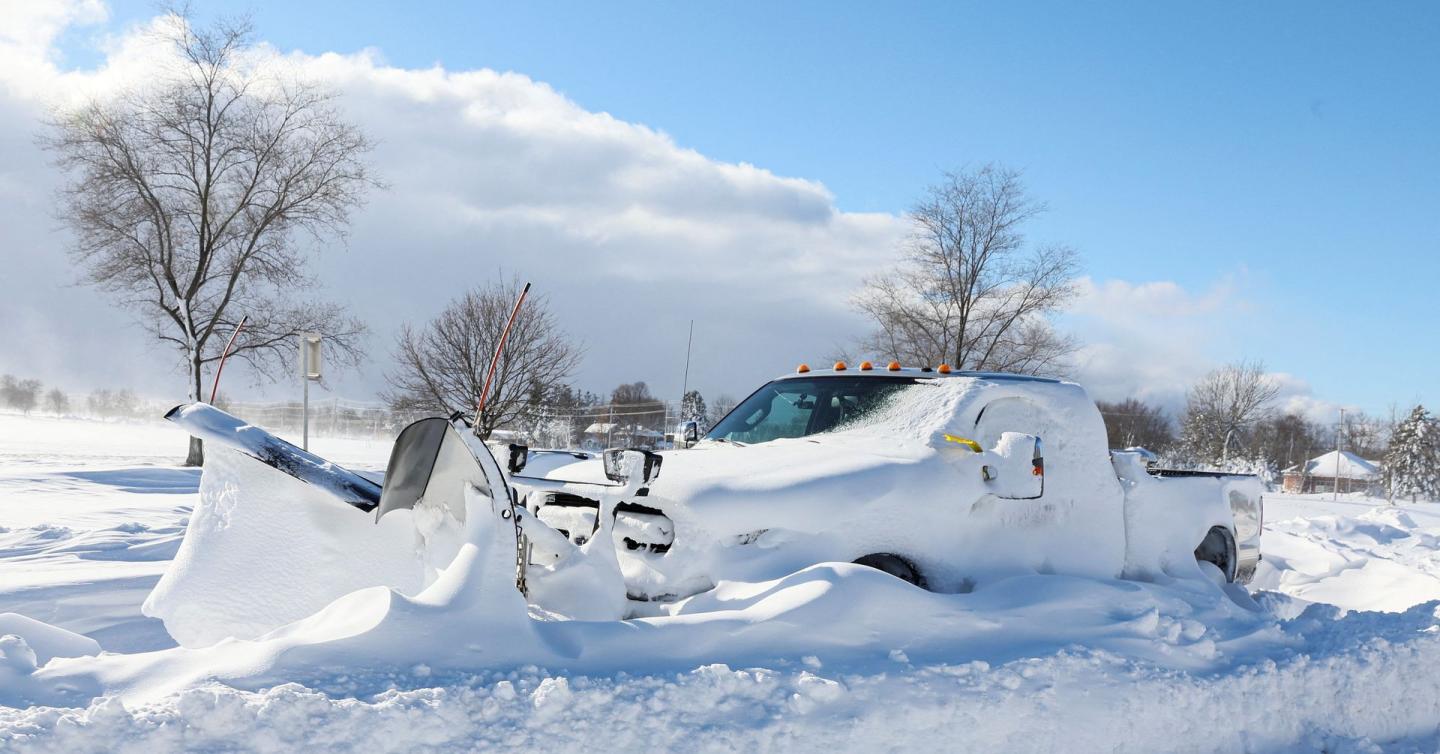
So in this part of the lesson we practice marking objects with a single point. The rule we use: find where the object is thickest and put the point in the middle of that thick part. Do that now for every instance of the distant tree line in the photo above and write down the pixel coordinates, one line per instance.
(29, 395)
(1230, 422)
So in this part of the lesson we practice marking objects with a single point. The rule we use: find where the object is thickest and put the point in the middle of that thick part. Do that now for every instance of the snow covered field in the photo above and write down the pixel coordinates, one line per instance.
(833, 657)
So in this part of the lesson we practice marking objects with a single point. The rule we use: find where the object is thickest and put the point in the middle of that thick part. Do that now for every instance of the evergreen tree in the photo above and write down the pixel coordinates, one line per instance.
(1412, 463)
(692, 406)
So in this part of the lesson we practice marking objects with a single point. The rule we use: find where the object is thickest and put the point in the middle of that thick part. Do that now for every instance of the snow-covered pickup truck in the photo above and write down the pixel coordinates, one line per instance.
(941, 478)
(952, 481)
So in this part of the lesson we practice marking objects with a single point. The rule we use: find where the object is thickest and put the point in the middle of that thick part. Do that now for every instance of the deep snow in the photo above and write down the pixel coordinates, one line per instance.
(833, 656)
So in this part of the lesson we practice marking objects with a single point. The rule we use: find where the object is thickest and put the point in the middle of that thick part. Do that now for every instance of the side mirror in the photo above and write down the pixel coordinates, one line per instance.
(519, 456)
(621, 464)
(690, 433)
(1015, 467)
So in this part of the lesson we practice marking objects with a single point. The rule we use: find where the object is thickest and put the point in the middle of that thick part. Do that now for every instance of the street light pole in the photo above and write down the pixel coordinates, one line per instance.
(309, 370)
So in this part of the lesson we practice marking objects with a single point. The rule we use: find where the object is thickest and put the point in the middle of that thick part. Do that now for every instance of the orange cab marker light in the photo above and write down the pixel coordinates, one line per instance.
(894, 366)
(839, 366)
(866, 366)
(802, 369)
(943, 369)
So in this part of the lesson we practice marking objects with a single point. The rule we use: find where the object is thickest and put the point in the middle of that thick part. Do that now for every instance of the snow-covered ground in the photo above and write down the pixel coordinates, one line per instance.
(834, 656)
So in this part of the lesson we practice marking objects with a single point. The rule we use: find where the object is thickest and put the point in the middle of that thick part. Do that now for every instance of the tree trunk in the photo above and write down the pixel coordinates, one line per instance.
(196, 455)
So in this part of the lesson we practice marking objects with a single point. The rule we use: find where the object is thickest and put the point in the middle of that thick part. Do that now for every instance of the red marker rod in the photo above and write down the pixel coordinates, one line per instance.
(499, 349)
(215, 387)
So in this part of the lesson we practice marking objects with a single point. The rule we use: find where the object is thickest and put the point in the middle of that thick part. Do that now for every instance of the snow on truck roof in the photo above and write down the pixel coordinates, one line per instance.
(918, 372)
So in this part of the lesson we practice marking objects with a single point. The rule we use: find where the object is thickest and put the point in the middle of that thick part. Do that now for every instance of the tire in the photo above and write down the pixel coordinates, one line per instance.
(1218, 549)
(894, 565)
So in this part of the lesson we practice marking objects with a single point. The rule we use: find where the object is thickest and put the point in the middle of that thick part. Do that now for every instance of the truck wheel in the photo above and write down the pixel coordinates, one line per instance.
(894, 565)
(1218, 549)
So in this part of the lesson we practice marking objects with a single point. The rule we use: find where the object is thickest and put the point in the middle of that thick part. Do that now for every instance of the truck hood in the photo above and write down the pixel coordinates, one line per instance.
(725, 487)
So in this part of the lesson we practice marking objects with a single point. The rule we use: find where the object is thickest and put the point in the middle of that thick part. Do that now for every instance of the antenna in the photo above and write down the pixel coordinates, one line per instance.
(685, 384)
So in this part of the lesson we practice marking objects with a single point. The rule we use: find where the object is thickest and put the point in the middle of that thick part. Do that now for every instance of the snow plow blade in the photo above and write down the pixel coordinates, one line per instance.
(432, 461)
(213, 425)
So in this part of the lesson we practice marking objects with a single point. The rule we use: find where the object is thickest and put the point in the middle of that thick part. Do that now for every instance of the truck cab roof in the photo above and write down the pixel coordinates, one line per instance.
(914, 373)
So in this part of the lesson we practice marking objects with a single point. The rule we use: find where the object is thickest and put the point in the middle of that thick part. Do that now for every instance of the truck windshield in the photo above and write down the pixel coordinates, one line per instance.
(801, 407)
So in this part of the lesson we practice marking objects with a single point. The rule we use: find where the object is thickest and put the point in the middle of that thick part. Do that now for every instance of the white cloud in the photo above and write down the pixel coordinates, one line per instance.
(627, 232)
(1153, 340)
(1148, 340)
(1298, 397)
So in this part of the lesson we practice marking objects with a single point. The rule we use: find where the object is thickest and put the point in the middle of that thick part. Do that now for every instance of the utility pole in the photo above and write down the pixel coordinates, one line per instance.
(1289, 464)
(1339, 442)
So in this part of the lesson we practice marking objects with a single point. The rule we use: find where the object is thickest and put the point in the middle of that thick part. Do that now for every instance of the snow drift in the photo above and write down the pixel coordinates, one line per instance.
(831, 655)
(263, 550)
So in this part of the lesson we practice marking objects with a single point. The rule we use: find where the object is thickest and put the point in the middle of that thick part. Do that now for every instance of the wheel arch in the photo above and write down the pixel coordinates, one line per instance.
(1219, 547)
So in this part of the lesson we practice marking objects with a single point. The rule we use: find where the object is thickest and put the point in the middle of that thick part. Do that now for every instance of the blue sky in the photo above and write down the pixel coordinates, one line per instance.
(1291, 150)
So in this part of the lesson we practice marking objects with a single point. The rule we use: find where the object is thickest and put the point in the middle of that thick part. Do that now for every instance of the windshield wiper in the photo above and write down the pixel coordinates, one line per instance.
(736, 443)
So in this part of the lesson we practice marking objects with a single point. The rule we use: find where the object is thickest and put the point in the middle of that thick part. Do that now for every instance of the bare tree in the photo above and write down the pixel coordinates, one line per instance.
(1133, 422)
(634, 407)
(1223, 408)
(1364, 435)
(722, 406)
(187, 194)
(56, 401)
(18, 393)
(1288, 440)
(967, 291)
(107, 404)
(443, 365)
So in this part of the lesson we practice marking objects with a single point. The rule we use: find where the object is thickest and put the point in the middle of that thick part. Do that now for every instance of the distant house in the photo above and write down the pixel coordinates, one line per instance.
(1338, 467)
(602, 435)
(597, 436)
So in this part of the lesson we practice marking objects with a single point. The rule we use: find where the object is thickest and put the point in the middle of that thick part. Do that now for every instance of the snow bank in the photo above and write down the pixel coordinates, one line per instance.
(46, 641)
(1364, 556)
(263, 550)
(829, 656)
(834, 656)
(27, 645)
(1348, 695)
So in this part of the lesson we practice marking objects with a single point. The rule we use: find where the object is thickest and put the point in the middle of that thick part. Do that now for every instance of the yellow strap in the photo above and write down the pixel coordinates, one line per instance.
(971, 444)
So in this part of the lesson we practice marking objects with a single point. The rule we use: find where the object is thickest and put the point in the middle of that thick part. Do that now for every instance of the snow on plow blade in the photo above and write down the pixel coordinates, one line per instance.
(432, 461)
(213, 425)
(297, 552)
